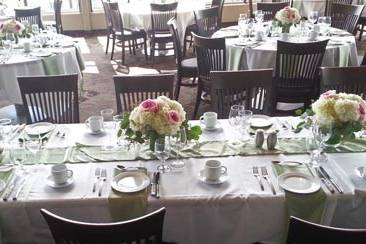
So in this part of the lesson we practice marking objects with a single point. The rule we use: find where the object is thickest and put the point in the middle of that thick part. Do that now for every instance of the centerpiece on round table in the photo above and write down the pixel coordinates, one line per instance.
(154, 119)
(287, 17)
(12, 26)
(340, 114)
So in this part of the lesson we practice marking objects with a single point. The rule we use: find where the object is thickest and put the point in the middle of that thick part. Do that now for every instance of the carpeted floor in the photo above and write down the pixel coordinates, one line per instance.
(98, 76)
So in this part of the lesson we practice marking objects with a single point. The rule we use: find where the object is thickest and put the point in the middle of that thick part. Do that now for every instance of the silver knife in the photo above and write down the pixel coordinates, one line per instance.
(153, 185)
(20, 188)
(157, 185)
(332, 181)
(266, 177)
(324, 180)
(10, 188)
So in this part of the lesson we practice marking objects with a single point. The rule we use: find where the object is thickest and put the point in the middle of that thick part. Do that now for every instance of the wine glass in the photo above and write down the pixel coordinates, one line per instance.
(322, 135)
(107, 115)
(325, 23)
(313, 16)
(245, 116)
(179, 140)
(34, 145)
(312, 148)
(234, 116)
(5, 129)
(259, 16)
(250, 27)
(162, 152)
(242, 25)
(35, 29)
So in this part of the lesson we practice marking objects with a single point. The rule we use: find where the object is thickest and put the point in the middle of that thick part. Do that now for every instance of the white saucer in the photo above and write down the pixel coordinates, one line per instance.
(96, 132)
(51, 183)
(221, 180)
(217, 126)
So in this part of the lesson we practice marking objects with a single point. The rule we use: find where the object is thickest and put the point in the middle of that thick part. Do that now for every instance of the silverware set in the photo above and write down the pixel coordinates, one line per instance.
(155, 185)
(328, 181)
(263, 174)
(100, 178)
(14, 188)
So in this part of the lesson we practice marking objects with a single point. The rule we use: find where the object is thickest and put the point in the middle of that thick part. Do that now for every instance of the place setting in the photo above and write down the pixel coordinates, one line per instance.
(60, 177)
(210, 123)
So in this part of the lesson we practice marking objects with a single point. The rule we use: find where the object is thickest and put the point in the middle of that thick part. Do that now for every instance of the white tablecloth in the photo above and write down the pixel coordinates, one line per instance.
(20, 64)
(234, 212)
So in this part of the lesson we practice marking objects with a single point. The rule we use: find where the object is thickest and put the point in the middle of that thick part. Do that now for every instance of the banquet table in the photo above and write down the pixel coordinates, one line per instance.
(64, 58)
(341, 50)
(236, 211)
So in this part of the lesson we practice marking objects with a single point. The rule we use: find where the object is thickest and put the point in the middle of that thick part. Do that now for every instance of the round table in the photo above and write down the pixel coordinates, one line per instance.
(340, 52)
(63, 58)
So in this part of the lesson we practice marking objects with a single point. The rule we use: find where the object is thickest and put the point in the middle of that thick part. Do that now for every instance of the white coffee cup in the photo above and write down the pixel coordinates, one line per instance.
(60, 173)
(95, 123)
(259, 35)
(209, 119)
(213, 170)
(316, 28)
(27, 46)
(285, 36)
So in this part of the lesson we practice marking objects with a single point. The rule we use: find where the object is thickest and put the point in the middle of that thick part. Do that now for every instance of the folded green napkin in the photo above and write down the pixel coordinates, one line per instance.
(125, 206)
(50, 65)
(309, 207)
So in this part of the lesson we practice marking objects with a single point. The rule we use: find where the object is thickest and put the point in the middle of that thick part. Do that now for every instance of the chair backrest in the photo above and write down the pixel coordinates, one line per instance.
(32, 15)
(145, 229)
(211, 55)
(304, 232)
(346, 16)
(220, 4)
(107, 15)
(50, 98)
(207, 21)
(344, 79)
(297, 65)
(252, 88)
(116, 17)
(161, 14)
(173, 28)
(132, 90)
(270, 9)
(363, 62)
(329, 4)
(57, 5)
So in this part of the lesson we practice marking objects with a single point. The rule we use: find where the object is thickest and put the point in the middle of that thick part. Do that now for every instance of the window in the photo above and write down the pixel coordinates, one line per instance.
(46, 5)
(96, 5)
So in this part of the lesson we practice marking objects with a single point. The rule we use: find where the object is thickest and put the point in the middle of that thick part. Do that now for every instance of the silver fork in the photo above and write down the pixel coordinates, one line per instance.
(103, 178)
(256, 175)
(266, 177)
(96, 179)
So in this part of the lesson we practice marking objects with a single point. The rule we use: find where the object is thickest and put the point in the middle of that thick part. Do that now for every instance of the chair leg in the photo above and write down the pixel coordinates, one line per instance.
(123, 53)
(106, 49)
(145, 48)
(361, 33)
(177, 87)
(198, 101)
(194, 80)
(184, 47)
(113, 44)
(152, 50)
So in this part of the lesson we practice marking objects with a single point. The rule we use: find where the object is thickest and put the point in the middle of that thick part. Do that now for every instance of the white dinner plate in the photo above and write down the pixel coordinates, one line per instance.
(51, 183)
(130, 181)
(41, 128)
(221, 180)
(42, 54)
(298, 183)
(260, 122)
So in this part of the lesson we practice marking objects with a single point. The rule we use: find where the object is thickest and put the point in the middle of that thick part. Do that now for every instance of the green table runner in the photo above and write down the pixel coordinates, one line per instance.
(85, 153)
(125, 206)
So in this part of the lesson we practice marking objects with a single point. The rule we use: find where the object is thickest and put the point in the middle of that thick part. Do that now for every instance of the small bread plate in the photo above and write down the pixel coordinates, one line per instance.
(221, 180)
(50, 182)
(299, 183)
(217, 126)
(41, 128)
(260, 122)
(130, 181)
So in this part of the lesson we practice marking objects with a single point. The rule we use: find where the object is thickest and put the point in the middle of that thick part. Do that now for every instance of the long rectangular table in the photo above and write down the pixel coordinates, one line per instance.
(236, 211)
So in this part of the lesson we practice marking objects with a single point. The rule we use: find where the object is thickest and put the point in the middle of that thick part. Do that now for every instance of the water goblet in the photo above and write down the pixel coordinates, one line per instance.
(322, 135)
(179, 140)
(313, 16)
(245, 116)
(5, 129)
(234, 116)
(259, 16)
(250, 27)
(312, 148)
(34, 145)
(162, 152)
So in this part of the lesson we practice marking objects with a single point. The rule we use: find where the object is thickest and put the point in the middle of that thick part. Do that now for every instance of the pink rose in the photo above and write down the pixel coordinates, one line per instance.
(150, 105)
(328, 94)
(173, 117)
(362, 111)
(17, 27)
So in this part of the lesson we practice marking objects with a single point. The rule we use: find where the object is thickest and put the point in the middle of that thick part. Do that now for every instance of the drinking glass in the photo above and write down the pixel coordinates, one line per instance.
(117, 121)
(245, 116)
(18, 155)
(259, 16)
(162, 152)
(321, 135)
(312, 148)
(275, 29)
(234, 116)
(35, 29)
(110, 128)
(250, 27)
(313, 16)
(242, 25)
(34, 145)
(325, 23)
(4, 129)
(179, 140)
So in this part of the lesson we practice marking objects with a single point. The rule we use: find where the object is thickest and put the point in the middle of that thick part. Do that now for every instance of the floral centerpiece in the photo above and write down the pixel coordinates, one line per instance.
(342, 113)
(12, 26)
(287, 17)
(155, 118)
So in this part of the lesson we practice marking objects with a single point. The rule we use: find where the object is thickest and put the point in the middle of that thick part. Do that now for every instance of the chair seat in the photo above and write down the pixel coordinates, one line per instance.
(189, 67)
(131, 34)
(161, 36)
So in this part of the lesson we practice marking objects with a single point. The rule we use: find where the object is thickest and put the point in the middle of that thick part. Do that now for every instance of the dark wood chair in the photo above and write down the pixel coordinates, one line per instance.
(185, 67)
(159, 33)
(270, 9)
(211, 56)
(363, 62)
(297, 71)
(361, 27)
(132, 90)
(329, 5)
(304, 232)
(32, 15)
(130, 37)
(108, 22)
(344, 79)
(50, 98)
(346, 16)
(252, 88)
(207, 21)
(145, 229)
(57, 23)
